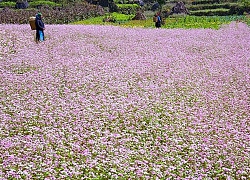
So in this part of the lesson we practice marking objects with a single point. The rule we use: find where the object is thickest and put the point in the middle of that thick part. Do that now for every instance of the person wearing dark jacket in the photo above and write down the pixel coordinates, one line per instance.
(158, 20)
(39, 28)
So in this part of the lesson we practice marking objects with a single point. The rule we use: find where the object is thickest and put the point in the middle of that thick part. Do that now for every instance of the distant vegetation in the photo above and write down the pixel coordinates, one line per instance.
(185, 22)
(52, 15)
(35, 4)
(118, 11)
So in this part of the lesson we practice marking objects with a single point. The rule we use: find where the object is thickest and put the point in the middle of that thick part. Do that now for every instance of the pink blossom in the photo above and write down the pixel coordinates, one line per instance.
(105, 101)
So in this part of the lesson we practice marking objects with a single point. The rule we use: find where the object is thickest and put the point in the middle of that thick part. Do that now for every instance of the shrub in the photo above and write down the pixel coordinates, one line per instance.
(127, 8)
(44, 3)
(122, 17)
(211, 12)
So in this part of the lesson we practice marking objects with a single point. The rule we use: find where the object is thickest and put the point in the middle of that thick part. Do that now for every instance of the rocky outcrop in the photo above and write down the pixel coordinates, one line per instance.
(22, 4)
(139, 16)
(179, 8)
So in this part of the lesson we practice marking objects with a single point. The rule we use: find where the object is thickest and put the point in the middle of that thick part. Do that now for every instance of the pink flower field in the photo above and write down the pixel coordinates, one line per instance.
(107, 102)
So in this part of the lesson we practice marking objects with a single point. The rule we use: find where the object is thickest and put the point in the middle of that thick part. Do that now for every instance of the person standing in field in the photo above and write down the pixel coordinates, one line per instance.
(40, 27)
(157, 20)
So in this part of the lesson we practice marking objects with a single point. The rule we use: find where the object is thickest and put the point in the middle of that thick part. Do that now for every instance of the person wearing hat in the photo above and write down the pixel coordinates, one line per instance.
(39, 28)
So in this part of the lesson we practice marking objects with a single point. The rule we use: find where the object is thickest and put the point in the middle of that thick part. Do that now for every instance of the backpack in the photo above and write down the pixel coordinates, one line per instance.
(32, 23)
(154, 19)
(158, 19)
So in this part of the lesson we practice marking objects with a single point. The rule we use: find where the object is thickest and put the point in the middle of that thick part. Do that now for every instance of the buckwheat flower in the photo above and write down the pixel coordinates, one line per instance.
(112, 97)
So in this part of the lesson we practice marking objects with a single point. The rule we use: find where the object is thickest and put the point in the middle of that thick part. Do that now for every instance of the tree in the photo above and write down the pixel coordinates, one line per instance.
(161, 3)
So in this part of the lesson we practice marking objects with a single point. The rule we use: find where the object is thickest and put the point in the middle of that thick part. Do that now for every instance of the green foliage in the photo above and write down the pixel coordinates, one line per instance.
(205, 1)
(139, 23)
(121, 17)
(124, 6)
(213, 22)
(245, 3)
(107, 19)
(123, 1)
(185, 22)
(9, 1)
(93, 20)
(7, 4)
(216, 7)
(247, 21)
(127, 8)
(161, 2)
(46, 3)
(211, 6)
(211, 12)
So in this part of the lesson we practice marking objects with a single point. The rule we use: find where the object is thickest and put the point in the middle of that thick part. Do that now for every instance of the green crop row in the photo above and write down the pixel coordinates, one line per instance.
(33, 4)
(213, 22)
(211, 12)
(116, 18)
(44, 3)
(211, 1)
(210, 6)
(186, 22)
(7, 4)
